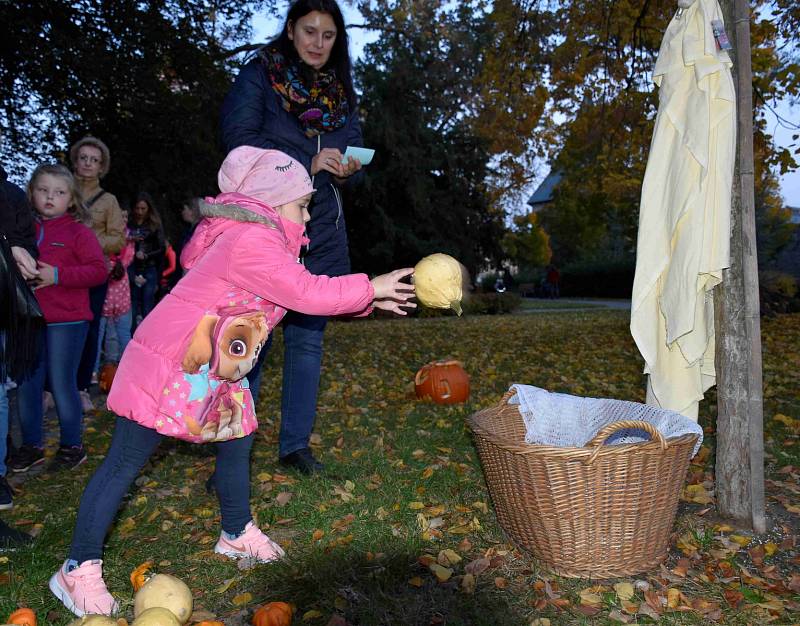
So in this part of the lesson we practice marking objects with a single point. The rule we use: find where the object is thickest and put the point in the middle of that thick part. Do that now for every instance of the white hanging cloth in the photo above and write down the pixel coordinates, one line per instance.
(684, 215)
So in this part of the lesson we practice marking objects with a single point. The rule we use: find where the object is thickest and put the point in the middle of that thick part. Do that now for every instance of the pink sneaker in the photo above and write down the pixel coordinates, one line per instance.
(251, 543)
(82, 590)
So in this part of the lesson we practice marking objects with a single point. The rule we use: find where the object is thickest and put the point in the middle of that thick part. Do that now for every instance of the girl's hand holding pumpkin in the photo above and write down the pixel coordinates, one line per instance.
(391, 292)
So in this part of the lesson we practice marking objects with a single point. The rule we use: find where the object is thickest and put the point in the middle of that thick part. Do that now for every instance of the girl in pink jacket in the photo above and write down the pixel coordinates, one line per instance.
(183, 373)
(70, 262)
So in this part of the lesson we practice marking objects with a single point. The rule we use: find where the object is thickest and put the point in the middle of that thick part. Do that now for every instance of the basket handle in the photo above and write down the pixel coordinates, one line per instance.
(506, 397)
(599, 439)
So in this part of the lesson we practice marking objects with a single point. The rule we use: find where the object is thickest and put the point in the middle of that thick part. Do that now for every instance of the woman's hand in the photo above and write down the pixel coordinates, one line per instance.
(140, 255)
(391, 292)
(25, 262)
(46, 277)
(348, 169)
(139, 280)
(329, 160)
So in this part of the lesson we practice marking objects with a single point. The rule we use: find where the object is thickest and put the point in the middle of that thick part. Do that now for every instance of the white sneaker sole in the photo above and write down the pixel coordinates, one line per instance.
(67, 601)
(243, 555)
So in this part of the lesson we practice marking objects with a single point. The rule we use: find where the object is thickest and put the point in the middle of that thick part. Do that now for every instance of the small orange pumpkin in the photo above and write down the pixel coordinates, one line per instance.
(139, 575)
(444, 382)
(22, 617)
(106, 376)
(273, 614)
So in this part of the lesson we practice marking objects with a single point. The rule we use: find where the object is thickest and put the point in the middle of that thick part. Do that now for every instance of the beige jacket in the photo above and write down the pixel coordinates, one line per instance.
(107, 221)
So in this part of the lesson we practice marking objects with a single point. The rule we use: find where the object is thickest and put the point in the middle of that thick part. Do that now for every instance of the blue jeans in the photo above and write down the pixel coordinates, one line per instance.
(121, 329)
(143, 298)
(58, 365)
(302, 360)
(131, 447)
(4, 417)
(97, 297)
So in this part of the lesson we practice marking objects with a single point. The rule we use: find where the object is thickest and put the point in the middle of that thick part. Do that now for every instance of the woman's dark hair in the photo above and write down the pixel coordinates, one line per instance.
(153, 219)
(340, 54)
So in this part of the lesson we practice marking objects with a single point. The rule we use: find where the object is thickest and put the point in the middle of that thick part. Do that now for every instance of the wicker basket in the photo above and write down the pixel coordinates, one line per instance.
(598, 511)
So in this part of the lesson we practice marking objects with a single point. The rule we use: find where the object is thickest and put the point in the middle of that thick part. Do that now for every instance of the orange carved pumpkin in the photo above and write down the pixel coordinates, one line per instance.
(273, 614)
(23, 617)
(106, 376)
(444, 382)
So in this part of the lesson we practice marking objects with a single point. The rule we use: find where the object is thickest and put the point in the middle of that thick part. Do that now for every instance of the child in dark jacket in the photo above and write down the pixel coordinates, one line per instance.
(70, 262)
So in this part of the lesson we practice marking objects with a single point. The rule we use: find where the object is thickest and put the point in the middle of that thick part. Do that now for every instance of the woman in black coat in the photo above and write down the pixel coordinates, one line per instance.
(297, 96)
(17, 228)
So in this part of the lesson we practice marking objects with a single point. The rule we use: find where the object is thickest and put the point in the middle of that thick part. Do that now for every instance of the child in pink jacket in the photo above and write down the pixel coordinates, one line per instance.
(183, 373)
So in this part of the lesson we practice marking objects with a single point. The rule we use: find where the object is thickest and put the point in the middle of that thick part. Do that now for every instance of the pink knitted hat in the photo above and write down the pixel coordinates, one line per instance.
(267, 175)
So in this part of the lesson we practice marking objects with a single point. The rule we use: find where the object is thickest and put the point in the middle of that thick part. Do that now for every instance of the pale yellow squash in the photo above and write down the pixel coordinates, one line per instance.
(439, 281)
(165, 591)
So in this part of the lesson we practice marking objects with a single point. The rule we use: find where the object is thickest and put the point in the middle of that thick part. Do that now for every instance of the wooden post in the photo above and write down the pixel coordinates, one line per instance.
(740, 413)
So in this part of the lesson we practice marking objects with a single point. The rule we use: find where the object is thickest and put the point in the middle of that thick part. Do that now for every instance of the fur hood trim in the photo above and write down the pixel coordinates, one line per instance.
(234, 212)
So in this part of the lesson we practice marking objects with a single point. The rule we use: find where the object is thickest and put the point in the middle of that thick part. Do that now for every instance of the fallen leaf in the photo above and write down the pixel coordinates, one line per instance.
(500, 582)
(468, 584)
(311, 615)
(590, 598)
(540, 621)
(673, 598)
(448, 557)
(442, 573)
(283, 498)
(317, 535)
(242, 599)
(624, 591)
(617, 616)
(477, 567)
(416, 581)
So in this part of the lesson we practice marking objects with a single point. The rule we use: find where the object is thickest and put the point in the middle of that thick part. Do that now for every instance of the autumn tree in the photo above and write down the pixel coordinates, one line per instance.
(148, 78)
(600, 91)
(426, 191)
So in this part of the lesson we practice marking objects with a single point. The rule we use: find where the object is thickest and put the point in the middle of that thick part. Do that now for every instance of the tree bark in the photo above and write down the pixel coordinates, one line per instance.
(740, 436)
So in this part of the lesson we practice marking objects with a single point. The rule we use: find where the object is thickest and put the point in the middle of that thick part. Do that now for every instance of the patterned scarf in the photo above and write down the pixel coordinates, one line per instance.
(320, 107)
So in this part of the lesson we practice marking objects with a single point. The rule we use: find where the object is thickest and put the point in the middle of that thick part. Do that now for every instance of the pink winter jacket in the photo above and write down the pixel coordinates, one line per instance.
(183, 372)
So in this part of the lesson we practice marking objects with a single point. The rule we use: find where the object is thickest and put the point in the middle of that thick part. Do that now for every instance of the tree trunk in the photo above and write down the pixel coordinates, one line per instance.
(740, 437)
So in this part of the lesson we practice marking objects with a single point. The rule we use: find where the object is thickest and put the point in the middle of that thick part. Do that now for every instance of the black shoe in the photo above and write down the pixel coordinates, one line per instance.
(25, 458)
(6, 495)
(303, 461)
(67, 457)
(11, 537)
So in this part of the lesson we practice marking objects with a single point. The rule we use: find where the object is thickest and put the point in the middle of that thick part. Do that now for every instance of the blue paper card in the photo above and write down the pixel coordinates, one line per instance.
(362, 154)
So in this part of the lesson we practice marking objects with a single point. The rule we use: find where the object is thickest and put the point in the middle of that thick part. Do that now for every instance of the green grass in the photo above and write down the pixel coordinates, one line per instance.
(384, 452)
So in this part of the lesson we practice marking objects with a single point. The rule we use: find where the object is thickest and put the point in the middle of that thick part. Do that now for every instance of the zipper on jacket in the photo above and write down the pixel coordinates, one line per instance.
(338, 203)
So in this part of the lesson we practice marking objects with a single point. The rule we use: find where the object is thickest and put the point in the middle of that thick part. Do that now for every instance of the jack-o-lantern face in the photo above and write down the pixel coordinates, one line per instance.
(444, 382)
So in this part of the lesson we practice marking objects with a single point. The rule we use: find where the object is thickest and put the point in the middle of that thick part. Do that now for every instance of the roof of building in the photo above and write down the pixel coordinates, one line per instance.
(544, 193)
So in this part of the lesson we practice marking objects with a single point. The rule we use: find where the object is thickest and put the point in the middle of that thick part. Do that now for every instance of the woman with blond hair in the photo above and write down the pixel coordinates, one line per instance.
(91, 161)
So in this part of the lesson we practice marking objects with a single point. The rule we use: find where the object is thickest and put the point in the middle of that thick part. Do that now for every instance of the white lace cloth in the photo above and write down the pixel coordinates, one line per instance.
(558, 419)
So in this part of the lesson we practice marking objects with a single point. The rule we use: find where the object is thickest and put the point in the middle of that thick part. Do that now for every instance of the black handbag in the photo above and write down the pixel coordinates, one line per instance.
(21, 319)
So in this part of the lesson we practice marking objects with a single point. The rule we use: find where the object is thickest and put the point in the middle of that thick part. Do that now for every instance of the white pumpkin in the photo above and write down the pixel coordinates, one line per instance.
(165, 591)
(94, 620)
(438, 282)
(157, 616)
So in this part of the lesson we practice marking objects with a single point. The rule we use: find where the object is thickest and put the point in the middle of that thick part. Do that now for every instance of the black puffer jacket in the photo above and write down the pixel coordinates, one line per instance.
(16, 216)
